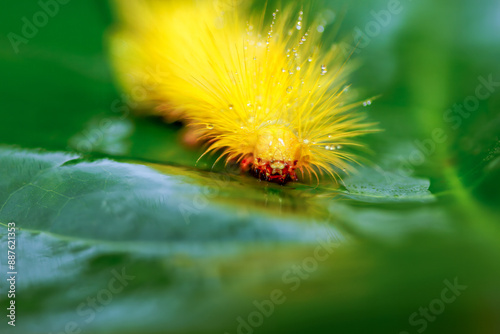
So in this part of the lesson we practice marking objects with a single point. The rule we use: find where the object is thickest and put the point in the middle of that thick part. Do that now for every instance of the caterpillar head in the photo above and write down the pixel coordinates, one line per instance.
(277, 154)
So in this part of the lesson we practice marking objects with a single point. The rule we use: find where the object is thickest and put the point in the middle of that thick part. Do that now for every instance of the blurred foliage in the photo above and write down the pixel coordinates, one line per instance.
(95, 190)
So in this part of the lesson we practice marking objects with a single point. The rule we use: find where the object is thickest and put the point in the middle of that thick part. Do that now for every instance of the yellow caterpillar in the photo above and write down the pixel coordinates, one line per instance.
(264, 94)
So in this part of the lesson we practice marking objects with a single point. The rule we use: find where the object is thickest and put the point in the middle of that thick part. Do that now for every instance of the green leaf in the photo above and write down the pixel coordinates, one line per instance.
(191, 240)
(377, 185)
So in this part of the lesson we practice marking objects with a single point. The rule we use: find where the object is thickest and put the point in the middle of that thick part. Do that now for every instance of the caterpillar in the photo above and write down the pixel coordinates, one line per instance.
(259, 88)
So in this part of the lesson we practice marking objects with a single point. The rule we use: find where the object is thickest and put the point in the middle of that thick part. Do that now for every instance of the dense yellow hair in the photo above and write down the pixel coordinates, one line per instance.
(262, 93)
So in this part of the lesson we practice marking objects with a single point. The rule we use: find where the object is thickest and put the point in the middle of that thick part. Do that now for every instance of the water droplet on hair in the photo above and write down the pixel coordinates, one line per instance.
(367, 103)
(289, 89)
(298, 68)
(210, 126)
(230, 107)
(306, 141)
(339, 147)
(309, 59)
(320, 28)
(323, 69)
(283, 70)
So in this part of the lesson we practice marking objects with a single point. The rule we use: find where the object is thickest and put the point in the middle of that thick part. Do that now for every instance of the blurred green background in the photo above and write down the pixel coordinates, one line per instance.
(120, 231)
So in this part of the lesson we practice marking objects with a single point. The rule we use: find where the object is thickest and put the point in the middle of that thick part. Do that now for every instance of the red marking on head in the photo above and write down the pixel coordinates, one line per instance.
(264, 171)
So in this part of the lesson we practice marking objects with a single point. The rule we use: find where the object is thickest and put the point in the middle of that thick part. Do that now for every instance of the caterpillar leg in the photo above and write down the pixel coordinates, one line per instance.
(279, 172)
